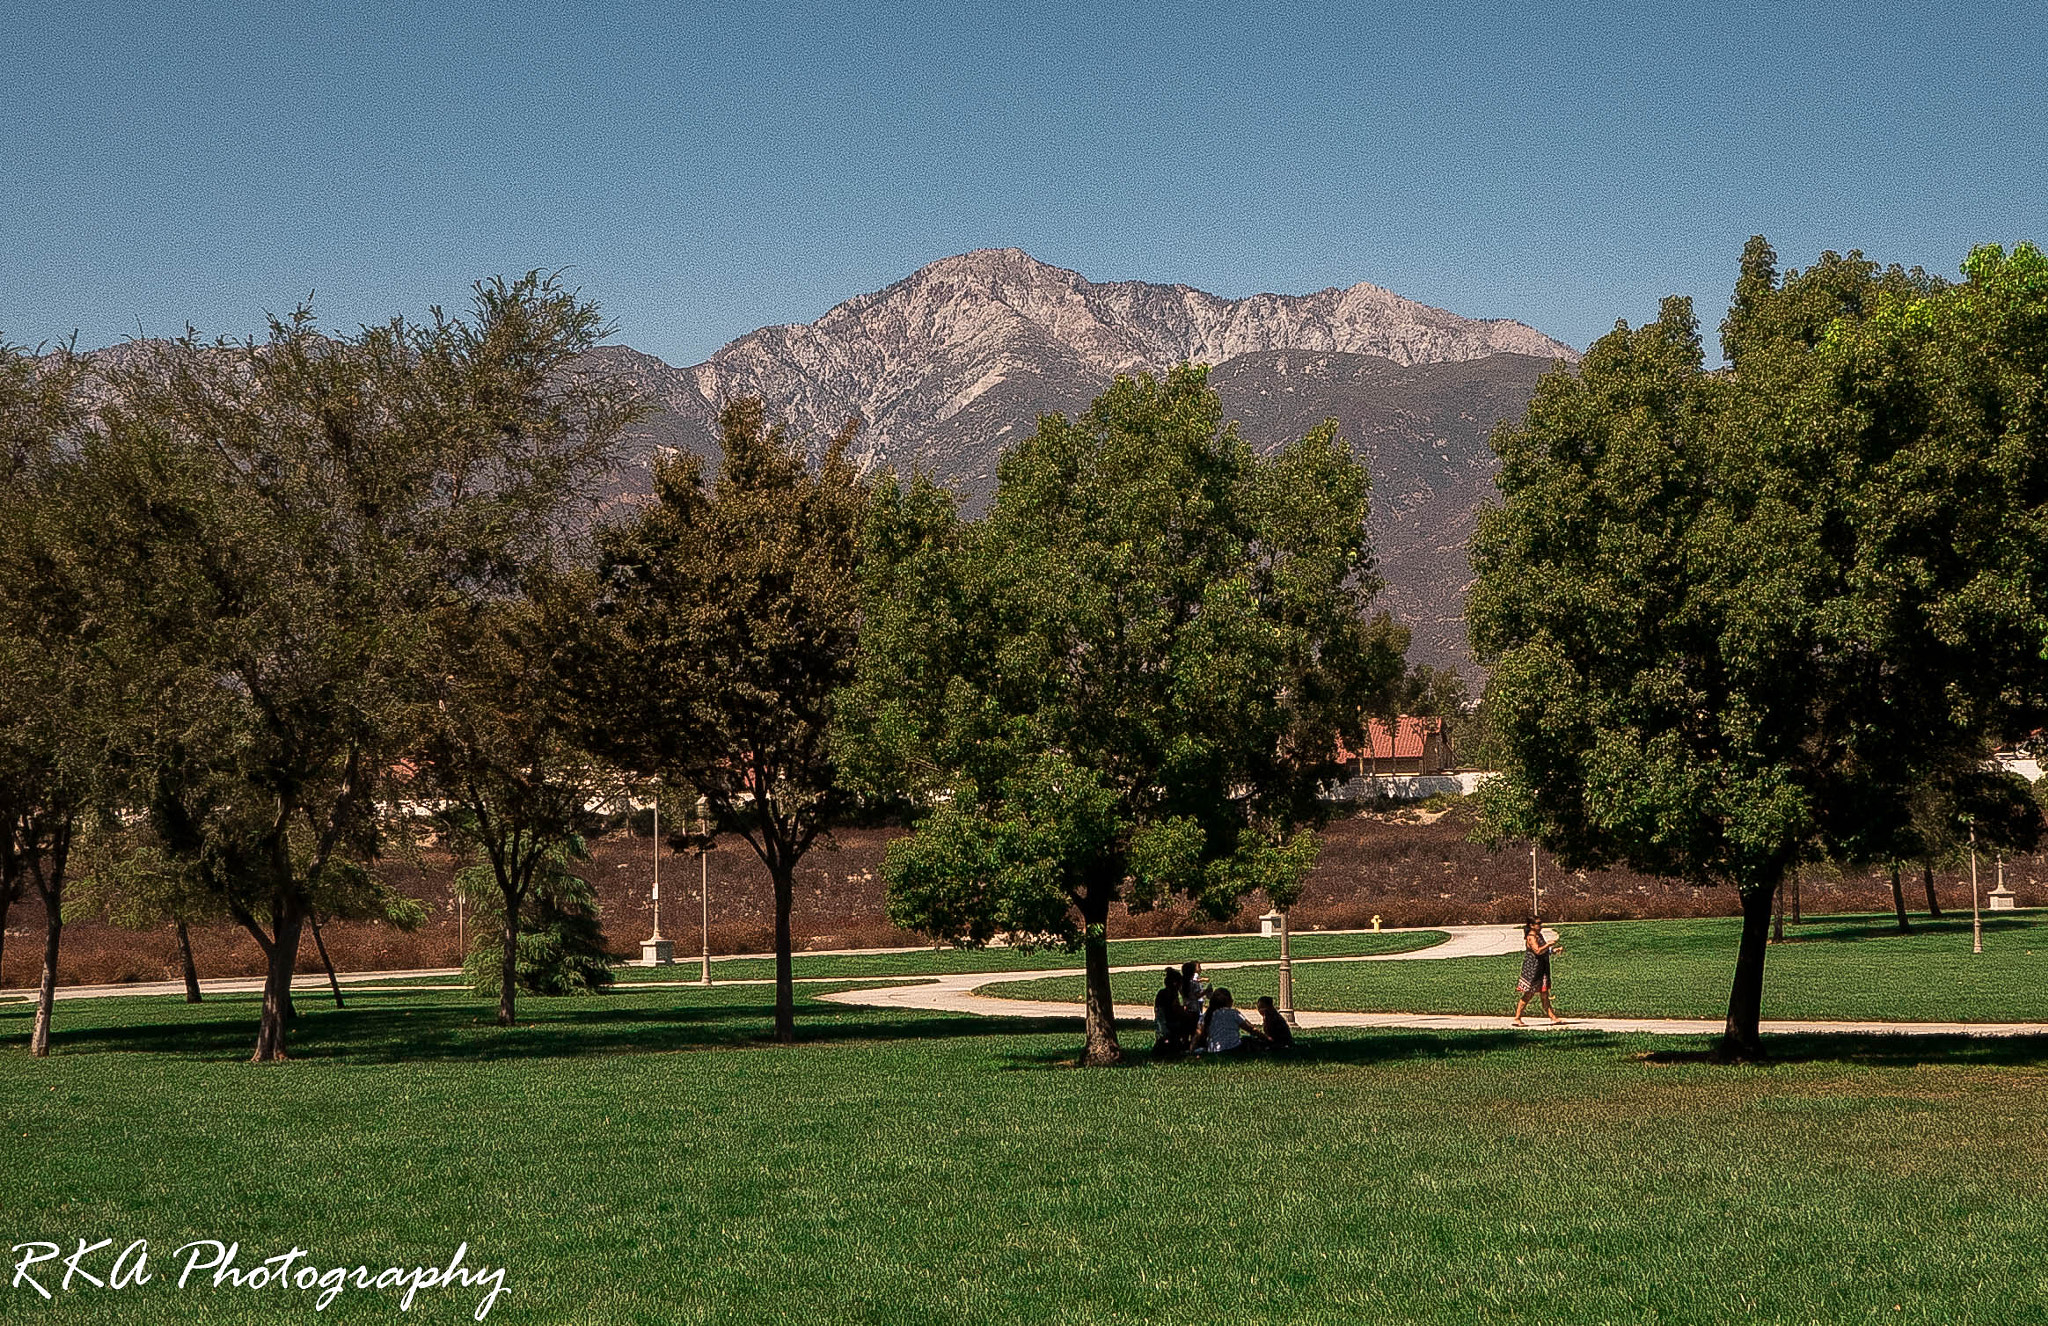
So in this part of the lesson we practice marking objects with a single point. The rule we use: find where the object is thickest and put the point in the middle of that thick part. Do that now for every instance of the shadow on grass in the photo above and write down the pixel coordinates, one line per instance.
(1880, 1050)
(1349, 1049)
(393, 1033)
(1838, 931)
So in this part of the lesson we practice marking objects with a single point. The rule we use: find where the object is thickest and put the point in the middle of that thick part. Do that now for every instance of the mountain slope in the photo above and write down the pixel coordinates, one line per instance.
(954, 363)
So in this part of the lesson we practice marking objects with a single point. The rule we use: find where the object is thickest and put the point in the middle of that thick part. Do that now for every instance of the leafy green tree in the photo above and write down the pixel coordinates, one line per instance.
(1727, 625)
(725, 622)
(277, 526)
(1125, 684)
(130, 882)
(558, 942)
(61, 682)
(497, 748)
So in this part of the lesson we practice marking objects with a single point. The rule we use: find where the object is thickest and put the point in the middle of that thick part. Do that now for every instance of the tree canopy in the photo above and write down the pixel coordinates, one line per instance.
(1126, 683)
(1736, 618)
(723, 624)
(274, 526)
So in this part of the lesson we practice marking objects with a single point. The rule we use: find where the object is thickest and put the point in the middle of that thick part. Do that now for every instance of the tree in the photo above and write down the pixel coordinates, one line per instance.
(497, 748)
(277, 526)
(60, 680)
(1125, 684)
(1727, 626)
(559, 946)
(725, 621)
(131, 883)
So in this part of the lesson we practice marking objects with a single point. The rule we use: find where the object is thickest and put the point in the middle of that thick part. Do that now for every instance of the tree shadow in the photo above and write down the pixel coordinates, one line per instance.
(1882, 926)
(390, 1032)
(1346, 1048)
(1876, 1049)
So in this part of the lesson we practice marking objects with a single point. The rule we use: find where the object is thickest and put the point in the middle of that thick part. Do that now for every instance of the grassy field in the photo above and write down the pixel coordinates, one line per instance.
(1122, 952)
(1851, 968)
(642, 1157)
(933, 962)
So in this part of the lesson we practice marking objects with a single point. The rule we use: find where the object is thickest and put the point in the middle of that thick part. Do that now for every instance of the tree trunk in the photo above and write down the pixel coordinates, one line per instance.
(46, 995)
(1741, 1038)
(1102, 1048)
(1927, 877)
(320, 945)
(508, 970)
(286, 927)
(191, 969)
(1899, 901)
(784, 878)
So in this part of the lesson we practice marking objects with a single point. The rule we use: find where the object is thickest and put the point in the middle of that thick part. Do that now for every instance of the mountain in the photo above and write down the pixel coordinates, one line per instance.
(955, 362)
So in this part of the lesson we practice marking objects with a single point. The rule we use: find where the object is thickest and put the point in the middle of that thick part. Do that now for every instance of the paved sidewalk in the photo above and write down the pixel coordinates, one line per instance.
(958, 994)
(317, 981)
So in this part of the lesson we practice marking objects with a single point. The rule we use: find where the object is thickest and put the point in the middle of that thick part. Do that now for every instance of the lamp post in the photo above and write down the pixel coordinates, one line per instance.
(1286, 973)
(1535, 908)
(654, 950)
(704, 879)
(1976, 915)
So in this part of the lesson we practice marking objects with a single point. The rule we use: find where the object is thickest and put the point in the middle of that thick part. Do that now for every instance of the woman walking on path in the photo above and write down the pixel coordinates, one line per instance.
(1535, 970)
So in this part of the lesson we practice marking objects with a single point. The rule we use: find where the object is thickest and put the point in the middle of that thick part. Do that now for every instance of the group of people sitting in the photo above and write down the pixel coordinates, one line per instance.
(1188, 1017)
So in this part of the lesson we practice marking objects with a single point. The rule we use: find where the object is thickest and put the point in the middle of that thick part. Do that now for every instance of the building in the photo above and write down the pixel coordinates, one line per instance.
(1411, 746)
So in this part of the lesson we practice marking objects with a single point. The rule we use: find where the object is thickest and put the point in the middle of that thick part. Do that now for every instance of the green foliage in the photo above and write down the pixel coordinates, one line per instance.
(279, 530)
(722, 626)
(1127, 682)
(561, 946)
(1738, 620)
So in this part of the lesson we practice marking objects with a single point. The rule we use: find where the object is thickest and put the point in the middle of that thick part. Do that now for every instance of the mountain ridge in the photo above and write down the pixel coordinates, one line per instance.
(956, 361)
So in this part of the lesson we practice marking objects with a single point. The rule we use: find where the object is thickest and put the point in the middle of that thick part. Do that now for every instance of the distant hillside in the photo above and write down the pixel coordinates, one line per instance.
(954, 363)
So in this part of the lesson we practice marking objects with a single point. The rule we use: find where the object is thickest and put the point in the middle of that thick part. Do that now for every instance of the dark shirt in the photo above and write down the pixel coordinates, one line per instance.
(1276, 1029)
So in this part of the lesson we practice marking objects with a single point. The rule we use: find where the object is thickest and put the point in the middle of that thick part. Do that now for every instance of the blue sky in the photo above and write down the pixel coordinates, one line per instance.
(703, 172)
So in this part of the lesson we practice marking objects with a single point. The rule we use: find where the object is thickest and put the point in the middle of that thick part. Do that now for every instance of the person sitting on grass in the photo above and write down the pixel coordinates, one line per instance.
(1193, 989)
(1278, 1034)
(1169, 1017)
(1535, 970)
(1224, 1029)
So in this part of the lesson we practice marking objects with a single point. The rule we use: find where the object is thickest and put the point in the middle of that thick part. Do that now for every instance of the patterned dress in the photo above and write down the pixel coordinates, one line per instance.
(1535, 972)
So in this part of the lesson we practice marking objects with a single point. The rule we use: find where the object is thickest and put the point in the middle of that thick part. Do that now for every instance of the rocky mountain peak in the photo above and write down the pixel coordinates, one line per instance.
(952, 364)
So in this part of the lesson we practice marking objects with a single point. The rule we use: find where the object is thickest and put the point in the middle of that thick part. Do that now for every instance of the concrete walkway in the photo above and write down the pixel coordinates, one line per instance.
(316, 982)
(959, 994)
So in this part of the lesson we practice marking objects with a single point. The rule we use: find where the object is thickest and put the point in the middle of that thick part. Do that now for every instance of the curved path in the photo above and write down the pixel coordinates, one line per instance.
(959, 994)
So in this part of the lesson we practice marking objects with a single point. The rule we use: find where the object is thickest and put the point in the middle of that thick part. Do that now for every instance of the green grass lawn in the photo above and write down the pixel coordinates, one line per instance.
(1842, 967)
(643, 1157)
(1122, 952)
(933, 962)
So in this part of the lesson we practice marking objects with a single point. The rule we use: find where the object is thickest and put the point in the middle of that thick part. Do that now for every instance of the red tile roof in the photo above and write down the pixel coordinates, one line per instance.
(1406, 742)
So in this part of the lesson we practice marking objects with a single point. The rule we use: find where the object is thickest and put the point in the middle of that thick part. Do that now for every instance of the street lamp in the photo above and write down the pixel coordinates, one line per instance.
(704, 879)
(654, 950)
(1286, 973)
(1976, 913)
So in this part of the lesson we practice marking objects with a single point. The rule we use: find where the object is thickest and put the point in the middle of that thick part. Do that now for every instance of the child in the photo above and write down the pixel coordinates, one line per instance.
(1225, 1029)
(1278, 1034)
(1169, 1017)
(1193, 989)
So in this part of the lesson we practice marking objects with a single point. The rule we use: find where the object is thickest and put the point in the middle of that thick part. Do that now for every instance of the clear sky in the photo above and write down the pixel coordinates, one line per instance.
(703, 172)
